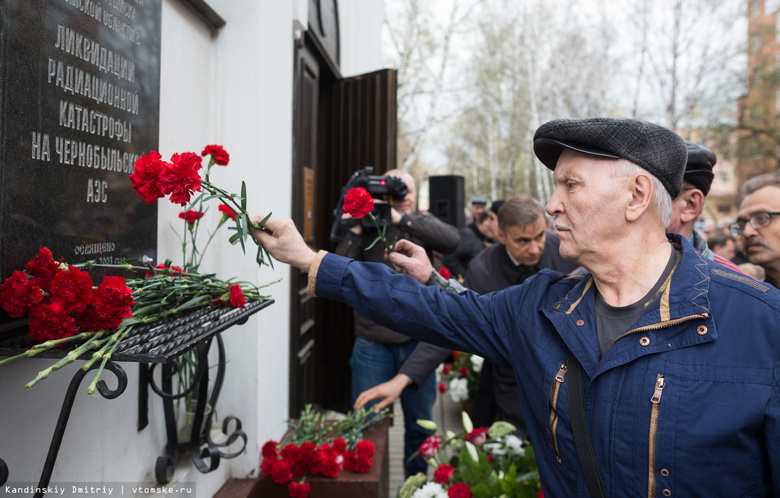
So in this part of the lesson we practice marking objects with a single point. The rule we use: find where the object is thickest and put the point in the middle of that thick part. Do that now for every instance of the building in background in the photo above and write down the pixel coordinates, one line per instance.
(758, 109)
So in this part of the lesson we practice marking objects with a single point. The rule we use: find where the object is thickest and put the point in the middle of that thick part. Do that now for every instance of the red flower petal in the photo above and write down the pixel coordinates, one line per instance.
(358, 202)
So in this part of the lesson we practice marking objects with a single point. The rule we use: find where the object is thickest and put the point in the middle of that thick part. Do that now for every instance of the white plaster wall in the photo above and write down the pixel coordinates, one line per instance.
(361, 41)
(235, 89)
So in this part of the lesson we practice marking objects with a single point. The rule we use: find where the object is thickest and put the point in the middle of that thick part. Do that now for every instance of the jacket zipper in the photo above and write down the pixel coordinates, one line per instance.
(559, 377)
(661, 325)
(660, 383)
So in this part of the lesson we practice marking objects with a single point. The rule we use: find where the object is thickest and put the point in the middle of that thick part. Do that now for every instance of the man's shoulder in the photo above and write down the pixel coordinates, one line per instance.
(492, 255)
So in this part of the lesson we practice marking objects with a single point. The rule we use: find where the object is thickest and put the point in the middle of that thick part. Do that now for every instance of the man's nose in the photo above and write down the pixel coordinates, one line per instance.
(554, 207)
(749, 231)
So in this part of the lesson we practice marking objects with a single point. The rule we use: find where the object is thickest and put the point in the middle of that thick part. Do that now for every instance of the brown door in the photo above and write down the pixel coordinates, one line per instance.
(340, 125)
(305, 164)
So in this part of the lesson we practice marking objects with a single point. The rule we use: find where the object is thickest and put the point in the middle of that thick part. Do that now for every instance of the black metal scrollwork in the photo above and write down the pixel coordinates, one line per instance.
(67, 406)
(3, 472)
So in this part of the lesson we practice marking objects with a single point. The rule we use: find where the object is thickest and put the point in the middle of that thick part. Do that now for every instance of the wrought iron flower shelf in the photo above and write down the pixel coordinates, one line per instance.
(159, 343)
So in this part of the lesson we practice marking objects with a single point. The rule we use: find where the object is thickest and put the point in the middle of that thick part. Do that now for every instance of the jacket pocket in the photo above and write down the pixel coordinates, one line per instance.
(553, 402)
(660, 384)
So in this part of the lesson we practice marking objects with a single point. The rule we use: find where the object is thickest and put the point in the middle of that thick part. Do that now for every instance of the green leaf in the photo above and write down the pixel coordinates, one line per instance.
(243, 197)
(373, 243)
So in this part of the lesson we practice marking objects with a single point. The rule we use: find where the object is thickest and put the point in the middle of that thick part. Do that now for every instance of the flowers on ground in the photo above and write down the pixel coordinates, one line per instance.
(479, 463)
(461, 376)
(320, 448)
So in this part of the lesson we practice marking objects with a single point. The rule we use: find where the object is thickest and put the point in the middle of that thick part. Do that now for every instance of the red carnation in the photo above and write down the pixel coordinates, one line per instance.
(72, 288)
(18, 293)
(43, 267)
(459, 490)
(147, 177)
(443, 473)
(358, 202)
(430, 447)
(269, 450)
(181, 178)
(236, 296)
(442, 387)
(445, 273)
(280, 471)
(49, 321)
(226, 211)
(218, 153)
(340, 445)
(359, 459)
(167, 270)
(299, 489)
(463, 371)
(446, 369)
(111, 303)
(191, 216)
(476, 437)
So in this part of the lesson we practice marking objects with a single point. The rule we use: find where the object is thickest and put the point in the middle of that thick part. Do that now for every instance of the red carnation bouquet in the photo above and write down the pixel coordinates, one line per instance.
(359, 203)
(180, 179)
(319, 448)
(64, 307)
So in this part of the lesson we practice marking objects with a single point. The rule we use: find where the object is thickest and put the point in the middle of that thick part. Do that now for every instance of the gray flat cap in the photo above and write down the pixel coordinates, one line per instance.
(698, 170)
(658, 150)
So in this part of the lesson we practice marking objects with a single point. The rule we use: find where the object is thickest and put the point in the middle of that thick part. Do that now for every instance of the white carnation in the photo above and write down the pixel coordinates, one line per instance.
(430, 490)
(514, 445)
(459, 389)
(477, 361)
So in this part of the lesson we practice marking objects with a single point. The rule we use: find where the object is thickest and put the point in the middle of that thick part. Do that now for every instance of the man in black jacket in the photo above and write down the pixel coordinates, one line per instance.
(379, 352)
(473, 239)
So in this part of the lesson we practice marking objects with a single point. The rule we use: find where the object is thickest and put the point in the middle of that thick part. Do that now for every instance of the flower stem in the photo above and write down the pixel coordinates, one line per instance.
(70, 358)
(116, 338)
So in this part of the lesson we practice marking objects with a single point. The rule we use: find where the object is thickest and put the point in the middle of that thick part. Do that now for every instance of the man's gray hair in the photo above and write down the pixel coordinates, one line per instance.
(519, 210)
(761, 181)
(662, 200)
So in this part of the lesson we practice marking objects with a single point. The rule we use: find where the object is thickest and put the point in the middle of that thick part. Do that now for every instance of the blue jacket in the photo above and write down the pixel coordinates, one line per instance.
(686, 403)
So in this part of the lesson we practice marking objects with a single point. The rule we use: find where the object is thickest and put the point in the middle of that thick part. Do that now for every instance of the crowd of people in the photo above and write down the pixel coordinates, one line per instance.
(651, 345)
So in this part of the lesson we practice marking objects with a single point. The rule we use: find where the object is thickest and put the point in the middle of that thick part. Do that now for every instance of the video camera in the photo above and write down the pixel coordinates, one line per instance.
(376, 185)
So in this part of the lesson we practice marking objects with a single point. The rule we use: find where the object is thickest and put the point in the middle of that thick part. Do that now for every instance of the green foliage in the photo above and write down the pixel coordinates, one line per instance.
(311, 426)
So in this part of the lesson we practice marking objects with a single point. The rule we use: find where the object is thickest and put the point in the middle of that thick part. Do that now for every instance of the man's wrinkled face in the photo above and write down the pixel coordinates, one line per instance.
(525, 242)
(762, 246)
(588, 203)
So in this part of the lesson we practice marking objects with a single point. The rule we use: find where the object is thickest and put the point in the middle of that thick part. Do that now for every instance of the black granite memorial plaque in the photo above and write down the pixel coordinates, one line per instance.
(79, 103)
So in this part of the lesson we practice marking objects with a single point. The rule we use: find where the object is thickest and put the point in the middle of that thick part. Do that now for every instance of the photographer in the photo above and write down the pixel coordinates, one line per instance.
(379, 352)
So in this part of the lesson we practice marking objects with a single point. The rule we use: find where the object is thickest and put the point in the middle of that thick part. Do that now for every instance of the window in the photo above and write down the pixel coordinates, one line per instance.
(755, 8)
(755, 42)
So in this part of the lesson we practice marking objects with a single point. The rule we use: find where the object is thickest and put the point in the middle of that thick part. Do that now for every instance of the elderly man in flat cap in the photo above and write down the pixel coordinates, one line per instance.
(641, 378)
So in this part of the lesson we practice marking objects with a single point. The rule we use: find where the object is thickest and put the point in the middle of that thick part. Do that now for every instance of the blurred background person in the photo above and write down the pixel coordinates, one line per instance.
(378, 352)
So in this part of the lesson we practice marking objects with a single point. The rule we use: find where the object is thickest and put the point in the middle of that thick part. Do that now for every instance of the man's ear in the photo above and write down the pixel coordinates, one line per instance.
(694, 202)
(641, 189)
(501, 236)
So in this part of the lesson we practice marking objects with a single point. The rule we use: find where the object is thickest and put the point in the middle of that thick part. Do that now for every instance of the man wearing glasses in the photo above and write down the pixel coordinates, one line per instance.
(757, 226)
